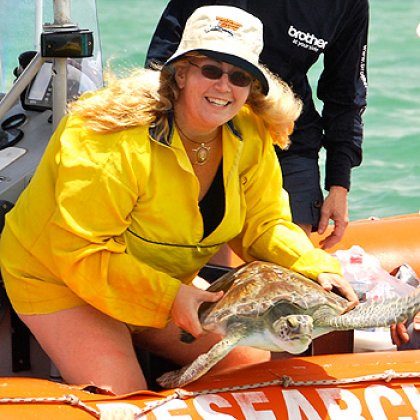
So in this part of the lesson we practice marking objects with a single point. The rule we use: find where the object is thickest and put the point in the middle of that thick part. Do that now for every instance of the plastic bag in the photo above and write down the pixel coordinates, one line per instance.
(407, 275)
(369, 280)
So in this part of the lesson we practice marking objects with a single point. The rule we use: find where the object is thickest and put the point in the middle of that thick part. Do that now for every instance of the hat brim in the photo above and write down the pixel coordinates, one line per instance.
(231, 59)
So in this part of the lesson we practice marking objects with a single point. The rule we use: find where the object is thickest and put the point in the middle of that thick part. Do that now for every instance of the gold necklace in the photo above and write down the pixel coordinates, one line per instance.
(202, 152)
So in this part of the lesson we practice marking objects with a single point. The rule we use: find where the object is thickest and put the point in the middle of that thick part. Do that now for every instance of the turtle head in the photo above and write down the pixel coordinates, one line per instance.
(294, 332)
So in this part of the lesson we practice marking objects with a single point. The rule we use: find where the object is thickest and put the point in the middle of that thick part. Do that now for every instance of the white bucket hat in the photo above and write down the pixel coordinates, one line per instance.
(227, 34)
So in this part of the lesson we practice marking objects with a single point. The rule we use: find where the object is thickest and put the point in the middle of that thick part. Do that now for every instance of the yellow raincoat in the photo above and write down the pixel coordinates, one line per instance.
(113, 220)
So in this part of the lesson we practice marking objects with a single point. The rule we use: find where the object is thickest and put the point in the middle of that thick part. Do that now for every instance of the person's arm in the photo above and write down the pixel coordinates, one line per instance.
(342, 88)
(169, 29)
(269, 233)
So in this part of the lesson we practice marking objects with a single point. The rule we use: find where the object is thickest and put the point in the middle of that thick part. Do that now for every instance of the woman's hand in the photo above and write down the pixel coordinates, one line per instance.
(185, 308)
(344, 288)
(399, 333)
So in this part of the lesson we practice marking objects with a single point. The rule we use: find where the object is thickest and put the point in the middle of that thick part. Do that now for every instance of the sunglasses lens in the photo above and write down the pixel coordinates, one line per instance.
(239, 78)
(211, 72)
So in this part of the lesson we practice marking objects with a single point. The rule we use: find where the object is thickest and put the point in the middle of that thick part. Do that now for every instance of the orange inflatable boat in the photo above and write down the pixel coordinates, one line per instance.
(372, 385)
(361, 386)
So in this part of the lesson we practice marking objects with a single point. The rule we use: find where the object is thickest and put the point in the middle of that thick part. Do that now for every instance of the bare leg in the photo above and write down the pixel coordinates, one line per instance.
(223, 257)
(89, 347)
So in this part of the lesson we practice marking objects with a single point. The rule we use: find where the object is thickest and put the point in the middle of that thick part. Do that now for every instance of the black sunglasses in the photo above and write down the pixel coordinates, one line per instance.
(237, 78)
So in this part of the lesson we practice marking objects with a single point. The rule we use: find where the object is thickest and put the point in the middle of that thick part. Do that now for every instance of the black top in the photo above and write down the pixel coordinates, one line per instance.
(212, 205)
(296, 33)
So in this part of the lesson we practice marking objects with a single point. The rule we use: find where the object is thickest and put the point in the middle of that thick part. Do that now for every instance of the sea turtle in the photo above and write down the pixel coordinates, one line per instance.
(270, 307)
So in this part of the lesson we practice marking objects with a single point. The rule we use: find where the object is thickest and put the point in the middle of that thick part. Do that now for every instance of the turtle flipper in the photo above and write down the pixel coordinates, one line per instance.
(201, 365)
(376, 314)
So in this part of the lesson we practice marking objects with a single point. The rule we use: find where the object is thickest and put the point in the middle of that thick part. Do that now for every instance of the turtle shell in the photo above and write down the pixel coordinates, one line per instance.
(256, 288)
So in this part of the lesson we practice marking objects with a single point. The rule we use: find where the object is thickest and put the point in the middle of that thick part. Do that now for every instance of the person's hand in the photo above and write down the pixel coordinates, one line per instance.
(185, 307)
(399, 333)
(335, 207)
(344, 288)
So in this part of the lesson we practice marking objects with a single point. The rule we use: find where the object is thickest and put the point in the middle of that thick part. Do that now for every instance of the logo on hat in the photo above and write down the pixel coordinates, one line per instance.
(224, 25)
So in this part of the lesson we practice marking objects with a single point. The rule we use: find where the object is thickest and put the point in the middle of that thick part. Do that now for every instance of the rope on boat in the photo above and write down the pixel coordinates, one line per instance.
(179, 393)
(65, 399)
(286, 381)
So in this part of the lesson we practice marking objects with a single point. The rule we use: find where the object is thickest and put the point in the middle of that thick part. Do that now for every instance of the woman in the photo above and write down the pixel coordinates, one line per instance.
(140, 185)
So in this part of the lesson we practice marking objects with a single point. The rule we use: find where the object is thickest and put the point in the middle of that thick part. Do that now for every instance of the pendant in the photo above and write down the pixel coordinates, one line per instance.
(202, 153)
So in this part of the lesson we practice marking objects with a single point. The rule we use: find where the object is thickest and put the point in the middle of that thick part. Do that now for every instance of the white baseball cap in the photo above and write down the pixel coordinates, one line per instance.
(227, 34)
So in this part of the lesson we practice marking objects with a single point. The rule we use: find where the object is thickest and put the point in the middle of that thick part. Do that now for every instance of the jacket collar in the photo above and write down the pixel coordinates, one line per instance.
(168, 139)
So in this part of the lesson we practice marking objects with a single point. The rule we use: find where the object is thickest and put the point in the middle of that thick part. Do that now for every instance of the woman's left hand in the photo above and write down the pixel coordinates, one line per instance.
(344, 288)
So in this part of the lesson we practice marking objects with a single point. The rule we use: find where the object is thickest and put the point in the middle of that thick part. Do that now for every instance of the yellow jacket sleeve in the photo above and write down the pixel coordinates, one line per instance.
(269, 233)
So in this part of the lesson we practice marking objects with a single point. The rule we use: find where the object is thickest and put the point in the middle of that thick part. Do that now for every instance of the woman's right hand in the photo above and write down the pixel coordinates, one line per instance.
(185, 307)
(330, 280)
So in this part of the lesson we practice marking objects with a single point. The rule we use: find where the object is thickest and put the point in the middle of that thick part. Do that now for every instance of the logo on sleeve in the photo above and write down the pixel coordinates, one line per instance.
(306, 40)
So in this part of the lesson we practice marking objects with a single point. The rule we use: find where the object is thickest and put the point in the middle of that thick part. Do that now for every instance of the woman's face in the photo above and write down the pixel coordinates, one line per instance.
(206, 103)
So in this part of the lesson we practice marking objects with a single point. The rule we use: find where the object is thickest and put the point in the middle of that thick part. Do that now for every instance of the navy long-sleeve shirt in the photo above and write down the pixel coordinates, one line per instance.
(296, 33)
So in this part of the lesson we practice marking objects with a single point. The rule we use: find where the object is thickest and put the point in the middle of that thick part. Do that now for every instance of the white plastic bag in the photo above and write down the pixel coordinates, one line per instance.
(369, 280)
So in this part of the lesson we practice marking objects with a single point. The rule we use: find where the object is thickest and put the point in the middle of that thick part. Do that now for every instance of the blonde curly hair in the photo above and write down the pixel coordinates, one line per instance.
(147, 96)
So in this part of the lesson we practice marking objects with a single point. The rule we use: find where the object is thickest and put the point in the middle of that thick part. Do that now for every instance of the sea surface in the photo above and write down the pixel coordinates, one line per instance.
(388, 181)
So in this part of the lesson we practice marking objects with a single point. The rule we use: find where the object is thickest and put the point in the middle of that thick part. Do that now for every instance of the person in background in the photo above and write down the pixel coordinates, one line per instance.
(141, 184)
(296, 35)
